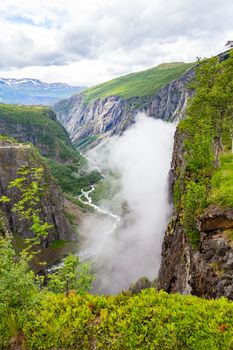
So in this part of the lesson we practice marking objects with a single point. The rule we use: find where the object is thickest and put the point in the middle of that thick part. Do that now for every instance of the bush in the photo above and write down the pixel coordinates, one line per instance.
(149, 320)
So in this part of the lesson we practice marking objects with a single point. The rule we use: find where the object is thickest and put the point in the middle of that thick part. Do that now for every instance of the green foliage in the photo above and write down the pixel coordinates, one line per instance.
(208, 124)
(145, 83)
(221, 192)
(72, 275)
(199, 146)
(69, 180)
(40, 126)
(194, 200)
(31, 187)
(149, 320)
(18, 291)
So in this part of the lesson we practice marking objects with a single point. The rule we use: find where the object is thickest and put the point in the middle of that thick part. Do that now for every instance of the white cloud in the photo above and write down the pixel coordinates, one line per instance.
(91, 41)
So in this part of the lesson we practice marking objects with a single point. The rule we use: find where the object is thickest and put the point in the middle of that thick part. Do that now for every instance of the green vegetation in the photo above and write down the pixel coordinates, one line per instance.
(69, 180)
(63, 315)
(145, 83)
(149, 320)
(86, 141)
(20, 288)
(29, 183)
(207, 130)
(85, 207)
(106, 189)
(71, 276)
(18, 291)
(222, 182)
(38, 125)
(59, 243)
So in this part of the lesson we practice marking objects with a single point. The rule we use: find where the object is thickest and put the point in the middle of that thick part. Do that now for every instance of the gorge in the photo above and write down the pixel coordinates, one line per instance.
(132, 248)
(143, 191)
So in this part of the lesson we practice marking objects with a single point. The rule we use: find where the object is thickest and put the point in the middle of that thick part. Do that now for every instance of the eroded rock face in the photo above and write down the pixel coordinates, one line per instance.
(208, 270)
(12, 157)
(113, 115)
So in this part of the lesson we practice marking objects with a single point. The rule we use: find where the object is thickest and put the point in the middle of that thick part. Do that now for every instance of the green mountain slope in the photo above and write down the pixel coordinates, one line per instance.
(38, 125)
(144, 83)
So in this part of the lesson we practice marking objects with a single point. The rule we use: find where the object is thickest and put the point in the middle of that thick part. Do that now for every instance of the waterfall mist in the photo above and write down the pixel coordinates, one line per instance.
(141, 159)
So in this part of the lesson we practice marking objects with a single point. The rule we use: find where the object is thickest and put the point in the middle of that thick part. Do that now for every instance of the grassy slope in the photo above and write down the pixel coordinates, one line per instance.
(52, 138)
(53, 141)
(221, 192)
(144, 83)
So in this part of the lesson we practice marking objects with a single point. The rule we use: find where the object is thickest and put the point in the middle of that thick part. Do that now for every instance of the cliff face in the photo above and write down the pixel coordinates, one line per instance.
(208, 270)
(113, 115)
(38, 125)
(14, 155)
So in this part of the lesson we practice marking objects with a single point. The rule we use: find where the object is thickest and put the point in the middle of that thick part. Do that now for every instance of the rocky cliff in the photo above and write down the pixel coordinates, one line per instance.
(206, 270)
(14, 155)
(104, 117)
(38, 125)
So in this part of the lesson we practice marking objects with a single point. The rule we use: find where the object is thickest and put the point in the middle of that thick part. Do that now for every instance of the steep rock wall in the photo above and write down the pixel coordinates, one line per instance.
(208, 270)
(13, 156)
(113, 115)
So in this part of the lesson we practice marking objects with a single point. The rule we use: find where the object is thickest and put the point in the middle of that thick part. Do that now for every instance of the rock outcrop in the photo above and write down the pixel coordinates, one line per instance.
(112, 115)
(14, 155)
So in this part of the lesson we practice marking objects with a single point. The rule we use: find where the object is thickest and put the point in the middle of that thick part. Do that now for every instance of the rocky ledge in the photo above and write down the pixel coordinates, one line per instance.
(207, 271)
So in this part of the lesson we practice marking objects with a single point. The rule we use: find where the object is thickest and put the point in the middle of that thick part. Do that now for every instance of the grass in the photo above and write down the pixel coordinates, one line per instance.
(144, 83)
(222, 182)
(38, 125)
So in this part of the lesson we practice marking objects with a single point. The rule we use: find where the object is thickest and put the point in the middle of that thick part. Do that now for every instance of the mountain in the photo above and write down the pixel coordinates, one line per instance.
(34, 92)
(39, 126)
(197, 248)
(110, 108)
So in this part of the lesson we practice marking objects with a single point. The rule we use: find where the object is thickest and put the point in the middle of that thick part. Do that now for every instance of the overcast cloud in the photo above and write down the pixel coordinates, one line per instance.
(91, 41)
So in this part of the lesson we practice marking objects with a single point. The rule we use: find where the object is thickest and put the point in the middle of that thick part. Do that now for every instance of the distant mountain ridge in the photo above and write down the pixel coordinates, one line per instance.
(29, 91)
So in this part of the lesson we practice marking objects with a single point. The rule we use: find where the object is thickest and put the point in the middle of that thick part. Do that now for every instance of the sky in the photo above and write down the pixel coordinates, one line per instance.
(85, 42)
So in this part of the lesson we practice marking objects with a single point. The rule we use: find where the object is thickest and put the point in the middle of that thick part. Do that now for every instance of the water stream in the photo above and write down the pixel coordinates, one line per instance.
(88, 252)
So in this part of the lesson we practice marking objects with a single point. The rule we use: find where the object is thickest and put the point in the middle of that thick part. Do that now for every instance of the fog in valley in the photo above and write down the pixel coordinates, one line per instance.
(124, 237)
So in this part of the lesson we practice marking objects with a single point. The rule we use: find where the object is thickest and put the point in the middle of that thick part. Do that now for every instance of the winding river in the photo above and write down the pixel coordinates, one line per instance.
(94, 247)
(88, 252)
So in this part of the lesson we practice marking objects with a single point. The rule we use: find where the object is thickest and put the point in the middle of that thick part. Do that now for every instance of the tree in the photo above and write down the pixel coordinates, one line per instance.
(71, 275)
(17, 282)
(29, 183)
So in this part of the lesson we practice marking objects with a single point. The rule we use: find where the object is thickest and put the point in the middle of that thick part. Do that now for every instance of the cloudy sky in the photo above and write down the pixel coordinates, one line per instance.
(90, 41)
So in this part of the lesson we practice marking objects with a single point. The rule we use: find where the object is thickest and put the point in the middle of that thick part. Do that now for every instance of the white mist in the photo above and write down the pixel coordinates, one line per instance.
(141, 157)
